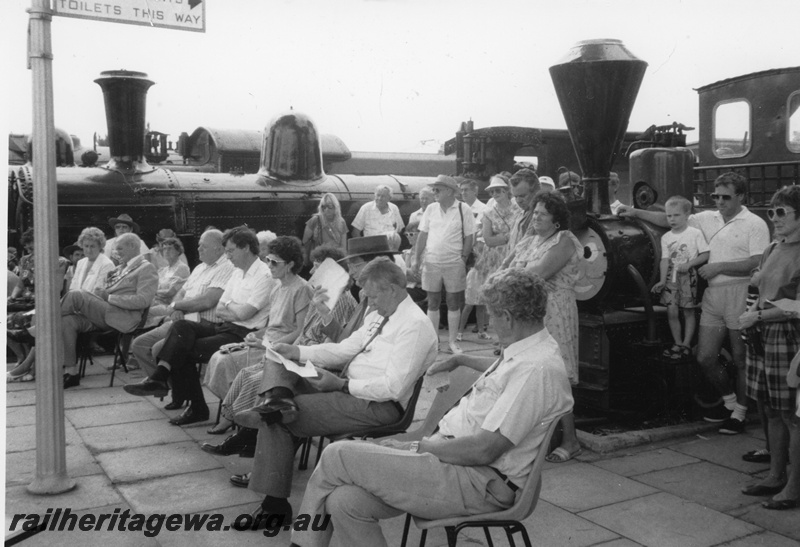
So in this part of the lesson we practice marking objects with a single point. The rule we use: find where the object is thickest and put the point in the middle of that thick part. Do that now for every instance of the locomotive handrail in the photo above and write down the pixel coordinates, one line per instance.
(746, 165)
(309, 193)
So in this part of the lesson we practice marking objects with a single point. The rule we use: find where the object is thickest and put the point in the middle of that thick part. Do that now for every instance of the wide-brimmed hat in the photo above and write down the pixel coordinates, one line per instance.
(123, 219)
(497, 182)
(369, 245)
(447, 182)
(67, 251)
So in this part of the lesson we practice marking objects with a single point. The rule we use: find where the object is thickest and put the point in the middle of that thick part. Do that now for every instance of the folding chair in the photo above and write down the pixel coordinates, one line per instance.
(399, 426)
(509, 519)
(122, 345)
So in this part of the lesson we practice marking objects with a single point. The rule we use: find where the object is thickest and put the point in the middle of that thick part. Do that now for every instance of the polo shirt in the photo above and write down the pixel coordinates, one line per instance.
(208, 276)
(445, 235)
(372, 222)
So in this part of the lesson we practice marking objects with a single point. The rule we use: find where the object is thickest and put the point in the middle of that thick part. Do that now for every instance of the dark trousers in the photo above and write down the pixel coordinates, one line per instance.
(188, 343)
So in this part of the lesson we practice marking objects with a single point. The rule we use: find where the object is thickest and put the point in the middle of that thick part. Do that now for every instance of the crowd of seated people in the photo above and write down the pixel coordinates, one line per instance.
(248, 294)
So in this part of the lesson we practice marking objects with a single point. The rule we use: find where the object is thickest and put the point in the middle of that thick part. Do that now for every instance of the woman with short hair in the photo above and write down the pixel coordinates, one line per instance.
(91, 270)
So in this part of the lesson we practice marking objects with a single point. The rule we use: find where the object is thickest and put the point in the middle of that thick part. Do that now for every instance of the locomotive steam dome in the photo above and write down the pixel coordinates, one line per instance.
(291, 149)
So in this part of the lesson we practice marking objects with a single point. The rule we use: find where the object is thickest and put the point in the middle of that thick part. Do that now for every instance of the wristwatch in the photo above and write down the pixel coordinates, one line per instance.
(414, 447)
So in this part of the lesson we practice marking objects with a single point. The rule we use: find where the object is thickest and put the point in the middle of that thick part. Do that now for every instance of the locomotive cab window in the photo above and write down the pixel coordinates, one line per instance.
(732, 129)
(793, 127)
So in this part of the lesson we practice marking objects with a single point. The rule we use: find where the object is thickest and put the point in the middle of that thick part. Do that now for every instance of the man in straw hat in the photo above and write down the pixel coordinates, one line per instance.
(446, 236)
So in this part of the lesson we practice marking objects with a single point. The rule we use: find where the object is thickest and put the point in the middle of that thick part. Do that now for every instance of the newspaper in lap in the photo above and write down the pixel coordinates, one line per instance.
(306, 371)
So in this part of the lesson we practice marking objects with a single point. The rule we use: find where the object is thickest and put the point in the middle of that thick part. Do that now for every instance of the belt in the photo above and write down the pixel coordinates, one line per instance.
(510, 484)
(399, 408)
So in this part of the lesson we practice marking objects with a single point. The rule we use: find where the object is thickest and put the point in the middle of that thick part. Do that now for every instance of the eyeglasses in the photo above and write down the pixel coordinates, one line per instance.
(779, 212)
(723, 197)
(323, 207)
(274, 263)
(435, 190)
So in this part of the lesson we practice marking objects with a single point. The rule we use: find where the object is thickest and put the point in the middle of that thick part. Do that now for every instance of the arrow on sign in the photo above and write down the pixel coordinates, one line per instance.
(194, 3)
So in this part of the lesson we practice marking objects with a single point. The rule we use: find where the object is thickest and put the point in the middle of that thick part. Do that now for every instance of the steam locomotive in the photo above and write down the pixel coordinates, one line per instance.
(619, 328)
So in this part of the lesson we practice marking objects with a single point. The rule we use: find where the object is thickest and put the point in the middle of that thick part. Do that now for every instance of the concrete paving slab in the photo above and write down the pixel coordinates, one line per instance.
(150, 462)
(552, 526)
(691, 482)
(20, 397)
(20, 415)
(119, 413)
(664, 520)
(84, 396)
(579, 486)
(786, 523)
(209, 538)
(621, 542)
(20, 439)
(724, 450)
(645, 462)
(763, 539)
(133, 435)
(90, 492)
(201, 491)
(93, 538)
(21, 466)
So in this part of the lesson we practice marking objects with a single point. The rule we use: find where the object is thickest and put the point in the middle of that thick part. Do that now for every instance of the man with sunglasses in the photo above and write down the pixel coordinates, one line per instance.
(242, 308)
(736, 240)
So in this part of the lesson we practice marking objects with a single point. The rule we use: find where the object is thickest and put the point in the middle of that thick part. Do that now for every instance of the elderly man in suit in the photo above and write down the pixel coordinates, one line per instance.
(129, 289)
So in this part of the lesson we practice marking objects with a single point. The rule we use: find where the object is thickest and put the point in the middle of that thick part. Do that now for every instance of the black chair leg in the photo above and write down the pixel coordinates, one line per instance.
(406, 528)
(452, 536)
(489, 537)
(423, 537)
(305, 452)
(319, 449)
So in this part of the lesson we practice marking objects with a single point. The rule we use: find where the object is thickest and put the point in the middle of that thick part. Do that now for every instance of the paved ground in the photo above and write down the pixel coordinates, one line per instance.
(124, 455)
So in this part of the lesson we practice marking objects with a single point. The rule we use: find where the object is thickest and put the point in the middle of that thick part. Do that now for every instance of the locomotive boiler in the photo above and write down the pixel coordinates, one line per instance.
(281, 196)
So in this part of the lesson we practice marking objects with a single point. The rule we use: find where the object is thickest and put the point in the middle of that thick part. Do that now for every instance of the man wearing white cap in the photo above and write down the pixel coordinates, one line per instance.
(446, 236)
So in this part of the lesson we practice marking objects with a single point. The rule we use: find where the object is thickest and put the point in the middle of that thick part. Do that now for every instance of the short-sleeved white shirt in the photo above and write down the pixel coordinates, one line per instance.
(445, 236)
(205, 277)
(253, 287)
(372, 222)
(518, 398)
(743, 236)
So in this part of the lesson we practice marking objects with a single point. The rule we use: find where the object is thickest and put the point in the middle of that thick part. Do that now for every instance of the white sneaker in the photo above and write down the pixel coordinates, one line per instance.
(455, 348)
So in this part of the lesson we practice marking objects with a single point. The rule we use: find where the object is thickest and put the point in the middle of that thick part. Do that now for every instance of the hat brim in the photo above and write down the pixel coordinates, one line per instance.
(114, 221)
(363, 253)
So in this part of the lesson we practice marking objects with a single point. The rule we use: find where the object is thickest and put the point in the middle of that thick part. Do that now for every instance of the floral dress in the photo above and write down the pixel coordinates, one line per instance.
(561, 320)
(502, 220)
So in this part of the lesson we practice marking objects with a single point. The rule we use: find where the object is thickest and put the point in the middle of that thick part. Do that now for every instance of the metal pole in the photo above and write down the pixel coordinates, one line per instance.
(51, 461)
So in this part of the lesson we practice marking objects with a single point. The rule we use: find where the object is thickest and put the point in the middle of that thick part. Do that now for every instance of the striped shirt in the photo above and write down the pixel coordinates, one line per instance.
(204, 277)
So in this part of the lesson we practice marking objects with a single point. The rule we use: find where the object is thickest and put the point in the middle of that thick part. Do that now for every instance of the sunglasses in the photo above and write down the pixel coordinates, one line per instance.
(323, 207)
(274, 263)
(779, 212)
(723, 197)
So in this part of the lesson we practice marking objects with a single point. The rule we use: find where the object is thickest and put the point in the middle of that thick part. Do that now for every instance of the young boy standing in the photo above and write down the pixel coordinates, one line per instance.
(682, 249)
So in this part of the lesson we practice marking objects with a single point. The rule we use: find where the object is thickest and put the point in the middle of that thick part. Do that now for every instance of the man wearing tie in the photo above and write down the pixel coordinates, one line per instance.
(129, 289)
(483, 449)
(377, 366)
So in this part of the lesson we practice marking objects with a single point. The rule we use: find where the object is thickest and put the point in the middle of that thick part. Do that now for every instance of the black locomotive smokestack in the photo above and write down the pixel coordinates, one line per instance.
(125, 95)
(596, 84)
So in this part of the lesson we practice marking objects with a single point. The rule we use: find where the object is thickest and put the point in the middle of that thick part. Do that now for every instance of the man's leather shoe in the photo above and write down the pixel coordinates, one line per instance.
(277, 409)
(233, 444)
(71, 380)
(248, 451)
(190, 416)
(174, 405)
(149, 387)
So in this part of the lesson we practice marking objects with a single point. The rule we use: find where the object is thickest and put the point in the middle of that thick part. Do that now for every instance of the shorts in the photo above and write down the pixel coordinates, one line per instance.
(766, 374)
(453, 276)
(682, 293)
(723, 305)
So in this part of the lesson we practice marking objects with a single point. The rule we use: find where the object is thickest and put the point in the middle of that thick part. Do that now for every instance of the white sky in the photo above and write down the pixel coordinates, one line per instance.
(387, 75)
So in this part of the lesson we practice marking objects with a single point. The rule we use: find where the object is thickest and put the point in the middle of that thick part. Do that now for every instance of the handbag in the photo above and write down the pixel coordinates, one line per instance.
(471, 258)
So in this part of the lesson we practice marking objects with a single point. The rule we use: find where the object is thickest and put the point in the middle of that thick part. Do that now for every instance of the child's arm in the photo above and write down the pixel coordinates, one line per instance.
(663, 266)
(702, 258)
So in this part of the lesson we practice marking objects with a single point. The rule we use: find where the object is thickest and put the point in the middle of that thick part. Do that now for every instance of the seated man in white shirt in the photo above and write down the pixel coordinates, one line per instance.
(378, 216)
(242, 308)
(379, 365)
(483, 450)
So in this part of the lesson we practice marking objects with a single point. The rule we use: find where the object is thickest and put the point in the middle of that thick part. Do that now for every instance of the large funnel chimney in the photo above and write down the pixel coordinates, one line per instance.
(596, 84)
(125, 94)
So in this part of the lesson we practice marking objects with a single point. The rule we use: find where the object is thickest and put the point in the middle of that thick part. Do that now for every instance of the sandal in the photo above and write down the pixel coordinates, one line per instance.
(670, 352)
(757, 456)
(483, 335)
(460, 337)
(560, 455)
(682, 353)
